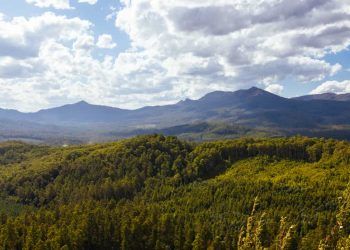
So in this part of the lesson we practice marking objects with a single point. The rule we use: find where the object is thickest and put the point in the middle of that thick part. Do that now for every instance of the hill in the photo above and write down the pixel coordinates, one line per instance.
(156, 192)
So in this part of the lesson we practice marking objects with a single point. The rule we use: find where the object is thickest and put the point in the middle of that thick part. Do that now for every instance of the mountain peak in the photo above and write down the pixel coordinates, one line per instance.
(251, 92)
(256, 91)
(82, 102)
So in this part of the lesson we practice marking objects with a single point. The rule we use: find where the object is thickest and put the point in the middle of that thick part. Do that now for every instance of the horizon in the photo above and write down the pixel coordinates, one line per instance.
(131, 54)
(174, 103)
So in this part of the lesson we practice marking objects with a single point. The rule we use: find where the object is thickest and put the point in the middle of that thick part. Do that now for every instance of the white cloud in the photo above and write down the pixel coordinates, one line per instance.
(92, 2)
(84, 42)
(334, 87)
(274, 88)
(50, 63)
(22, 38)
(57, 4)
(11, 68)
(179, 48)
(53, 63)
(112, 14)
(233, 44)
(105, 41)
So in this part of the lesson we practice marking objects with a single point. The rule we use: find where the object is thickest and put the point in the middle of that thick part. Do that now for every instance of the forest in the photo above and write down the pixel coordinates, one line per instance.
(160, 192)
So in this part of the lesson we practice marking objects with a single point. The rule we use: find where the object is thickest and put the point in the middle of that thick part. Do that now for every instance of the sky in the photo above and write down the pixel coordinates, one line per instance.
(133, 53)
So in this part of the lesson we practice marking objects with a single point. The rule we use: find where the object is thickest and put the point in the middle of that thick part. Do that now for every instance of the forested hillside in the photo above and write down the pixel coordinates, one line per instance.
(157, 192)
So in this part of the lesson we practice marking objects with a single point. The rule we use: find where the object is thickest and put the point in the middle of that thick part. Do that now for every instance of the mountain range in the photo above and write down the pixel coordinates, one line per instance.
(253, 108)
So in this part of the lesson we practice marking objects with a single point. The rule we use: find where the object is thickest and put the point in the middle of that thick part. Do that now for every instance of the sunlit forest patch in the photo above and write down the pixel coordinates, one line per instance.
(158, 192)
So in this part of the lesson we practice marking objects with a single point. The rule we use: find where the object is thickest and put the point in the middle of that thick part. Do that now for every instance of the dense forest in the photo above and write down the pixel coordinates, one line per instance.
(158, 192)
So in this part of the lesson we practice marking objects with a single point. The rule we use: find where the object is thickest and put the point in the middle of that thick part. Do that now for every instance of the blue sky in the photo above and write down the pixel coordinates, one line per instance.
(132, 53)
(343, 58)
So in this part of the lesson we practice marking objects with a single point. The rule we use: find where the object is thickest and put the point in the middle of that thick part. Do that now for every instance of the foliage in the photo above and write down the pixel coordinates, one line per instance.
(157, 192)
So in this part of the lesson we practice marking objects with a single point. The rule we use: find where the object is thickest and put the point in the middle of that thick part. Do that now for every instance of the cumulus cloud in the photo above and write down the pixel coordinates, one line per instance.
(274, 88)
(11, 68)
(105, 41)
(179, 48)
(57, 4)
(92, 2)
(237, 43)
(84, 42)
(54, 63)
(333, 87)
(22, 38)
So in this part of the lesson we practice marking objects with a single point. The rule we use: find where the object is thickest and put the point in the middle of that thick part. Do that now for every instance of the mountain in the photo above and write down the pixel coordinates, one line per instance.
(211, 106)
(81, 112)
(10, 114)
(242, 98)
(325, 96)
(254, 108)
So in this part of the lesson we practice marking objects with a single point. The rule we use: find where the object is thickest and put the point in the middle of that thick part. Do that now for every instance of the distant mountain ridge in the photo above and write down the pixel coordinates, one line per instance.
(325, 96)
(242, 106)
(253, 108)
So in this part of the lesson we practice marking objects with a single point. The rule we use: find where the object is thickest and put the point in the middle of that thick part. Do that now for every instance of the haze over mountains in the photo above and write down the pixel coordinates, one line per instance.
(253, 108)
